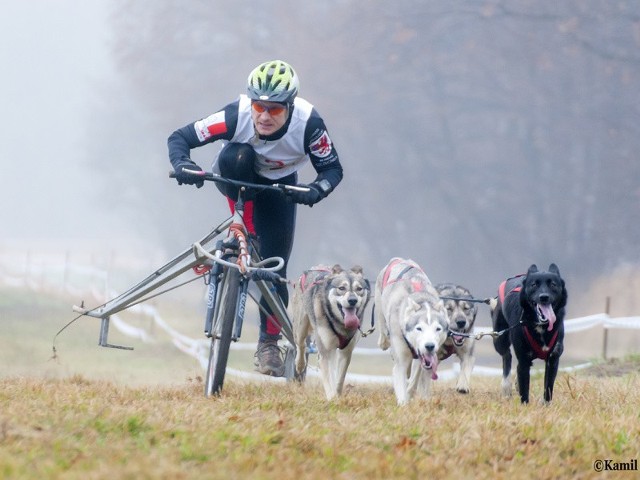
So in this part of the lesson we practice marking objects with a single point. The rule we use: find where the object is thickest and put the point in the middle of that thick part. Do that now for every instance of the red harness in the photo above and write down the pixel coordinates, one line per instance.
(541, 351)
(417, 286)
(448, 351)
(303, 278)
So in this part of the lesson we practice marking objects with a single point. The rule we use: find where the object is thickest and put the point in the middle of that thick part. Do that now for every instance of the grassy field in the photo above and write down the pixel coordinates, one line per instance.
(94, 413)
(78, 428)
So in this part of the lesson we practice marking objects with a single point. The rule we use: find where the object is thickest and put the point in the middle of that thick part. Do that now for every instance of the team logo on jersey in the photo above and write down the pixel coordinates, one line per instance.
(322, 146)
(210, 126)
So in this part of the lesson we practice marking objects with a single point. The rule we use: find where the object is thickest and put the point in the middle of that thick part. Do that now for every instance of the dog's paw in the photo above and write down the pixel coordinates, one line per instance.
(383, 342)
(506, 388)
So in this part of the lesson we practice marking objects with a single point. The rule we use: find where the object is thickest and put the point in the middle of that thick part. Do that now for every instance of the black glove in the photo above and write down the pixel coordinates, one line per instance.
(310, 198)
(186, 177)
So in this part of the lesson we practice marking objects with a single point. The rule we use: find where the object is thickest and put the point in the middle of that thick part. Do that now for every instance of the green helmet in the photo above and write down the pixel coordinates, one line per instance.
(274, 81)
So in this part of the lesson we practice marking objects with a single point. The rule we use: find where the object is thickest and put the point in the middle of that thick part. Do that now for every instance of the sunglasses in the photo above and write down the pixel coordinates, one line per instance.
(260, 107)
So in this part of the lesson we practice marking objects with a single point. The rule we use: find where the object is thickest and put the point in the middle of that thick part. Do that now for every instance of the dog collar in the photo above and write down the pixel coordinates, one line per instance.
(414, 354)
(343, 340)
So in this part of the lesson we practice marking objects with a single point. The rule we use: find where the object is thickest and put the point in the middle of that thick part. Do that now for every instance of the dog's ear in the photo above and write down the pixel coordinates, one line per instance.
(532, 269)
(553, 268)
(336, 269)
(412, 305)
(357, 269)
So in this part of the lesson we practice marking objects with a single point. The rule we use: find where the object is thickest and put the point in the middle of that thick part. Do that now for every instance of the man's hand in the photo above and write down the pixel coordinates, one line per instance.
(186, 177)
(310, 198)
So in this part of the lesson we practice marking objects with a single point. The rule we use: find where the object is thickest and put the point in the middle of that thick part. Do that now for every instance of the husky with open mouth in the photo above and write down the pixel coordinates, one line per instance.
(413, 322)
(328, 303)
(461, 311)
(531, 309)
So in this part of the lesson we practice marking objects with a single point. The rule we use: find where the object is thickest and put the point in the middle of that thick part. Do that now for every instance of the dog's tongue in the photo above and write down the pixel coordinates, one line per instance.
(549, 314)
(434, 367)
(351, 320)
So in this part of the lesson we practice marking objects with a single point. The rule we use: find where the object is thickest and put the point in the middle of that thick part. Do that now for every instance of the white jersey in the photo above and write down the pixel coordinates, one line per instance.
(304, 139)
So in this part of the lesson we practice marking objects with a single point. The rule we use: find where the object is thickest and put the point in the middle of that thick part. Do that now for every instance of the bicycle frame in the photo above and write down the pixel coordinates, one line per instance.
(202, 253)
(136, 294)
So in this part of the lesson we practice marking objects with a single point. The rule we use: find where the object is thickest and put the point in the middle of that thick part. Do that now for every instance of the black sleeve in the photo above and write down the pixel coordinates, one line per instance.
(322, 152)
(220, 125)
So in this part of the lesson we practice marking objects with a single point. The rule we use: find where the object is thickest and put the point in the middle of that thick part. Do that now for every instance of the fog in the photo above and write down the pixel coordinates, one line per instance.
(476, 137)
(55, 60)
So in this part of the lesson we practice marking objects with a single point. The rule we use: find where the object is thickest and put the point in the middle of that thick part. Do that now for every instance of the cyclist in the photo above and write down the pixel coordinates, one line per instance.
(268, 134)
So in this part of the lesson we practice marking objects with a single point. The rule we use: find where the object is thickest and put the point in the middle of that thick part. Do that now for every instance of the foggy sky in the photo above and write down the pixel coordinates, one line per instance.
(54, 57)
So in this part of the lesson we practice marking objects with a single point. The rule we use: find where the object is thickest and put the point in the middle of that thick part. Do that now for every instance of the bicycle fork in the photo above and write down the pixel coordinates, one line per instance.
(212, 293)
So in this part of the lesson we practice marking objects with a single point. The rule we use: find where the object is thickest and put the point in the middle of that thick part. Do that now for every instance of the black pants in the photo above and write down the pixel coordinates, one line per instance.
(274, 216)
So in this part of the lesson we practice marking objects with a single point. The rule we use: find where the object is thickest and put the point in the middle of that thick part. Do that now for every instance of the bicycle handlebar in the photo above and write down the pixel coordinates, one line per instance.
(214, 177)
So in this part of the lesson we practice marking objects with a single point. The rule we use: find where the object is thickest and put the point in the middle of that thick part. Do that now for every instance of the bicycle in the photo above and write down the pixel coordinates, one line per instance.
(228, 268)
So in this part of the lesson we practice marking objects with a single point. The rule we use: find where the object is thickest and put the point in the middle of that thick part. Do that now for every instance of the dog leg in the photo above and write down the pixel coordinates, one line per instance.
(523, 371)
(550, 372)
(400, 372)
(327, 368)
(414, 383)
(467, 359)
(383, 336)
(506, 374)
(343, 361)
(300, 339)
(423, 380)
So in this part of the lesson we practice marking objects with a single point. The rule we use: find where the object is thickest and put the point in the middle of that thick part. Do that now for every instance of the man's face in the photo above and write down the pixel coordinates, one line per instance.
(268, 117)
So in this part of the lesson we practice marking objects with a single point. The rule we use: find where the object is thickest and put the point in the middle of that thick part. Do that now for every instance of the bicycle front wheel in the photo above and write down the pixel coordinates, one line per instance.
(227, 304)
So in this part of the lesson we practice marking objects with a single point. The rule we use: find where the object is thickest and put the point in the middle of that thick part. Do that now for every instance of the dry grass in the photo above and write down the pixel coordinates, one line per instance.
(96, 413)
(77, 428)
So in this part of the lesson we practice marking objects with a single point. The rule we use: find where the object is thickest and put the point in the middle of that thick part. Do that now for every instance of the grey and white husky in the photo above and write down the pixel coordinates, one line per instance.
(413, 322)
(329, 302)
(462, 315)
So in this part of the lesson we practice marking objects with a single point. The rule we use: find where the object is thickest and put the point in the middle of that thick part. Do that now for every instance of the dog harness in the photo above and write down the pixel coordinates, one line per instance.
(324, 271)
(541, 351)
(448, 351)
(418, 287)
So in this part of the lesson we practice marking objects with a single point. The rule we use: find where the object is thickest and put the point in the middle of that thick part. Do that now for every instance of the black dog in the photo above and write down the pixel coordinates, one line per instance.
(531, 309)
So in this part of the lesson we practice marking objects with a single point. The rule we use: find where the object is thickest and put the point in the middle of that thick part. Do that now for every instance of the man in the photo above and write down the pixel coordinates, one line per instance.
(268, 134)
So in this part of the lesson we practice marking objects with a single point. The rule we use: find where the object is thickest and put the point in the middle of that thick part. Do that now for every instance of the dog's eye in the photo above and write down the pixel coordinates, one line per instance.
(449, 308)
(419, 329)
(438, 328)
(342, 288)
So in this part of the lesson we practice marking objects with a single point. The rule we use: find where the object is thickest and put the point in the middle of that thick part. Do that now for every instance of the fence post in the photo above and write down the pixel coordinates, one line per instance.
(605, 334)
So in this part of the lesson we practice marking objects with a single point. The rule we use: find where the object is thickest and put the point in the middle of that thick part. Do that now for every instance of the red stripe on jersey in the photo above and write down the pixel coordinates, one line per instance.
(217, 128)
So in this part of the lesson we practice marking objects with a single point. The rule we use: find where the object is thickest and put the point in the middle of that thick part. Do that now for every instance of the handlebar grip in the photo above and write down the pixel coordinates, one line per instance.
(267, 276)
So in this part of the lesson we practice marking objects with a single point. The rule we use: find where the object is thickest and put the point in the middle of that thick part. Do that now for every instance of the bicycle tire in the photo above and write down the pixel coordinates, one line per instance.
(222, 331)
